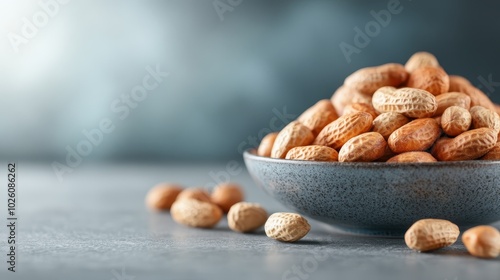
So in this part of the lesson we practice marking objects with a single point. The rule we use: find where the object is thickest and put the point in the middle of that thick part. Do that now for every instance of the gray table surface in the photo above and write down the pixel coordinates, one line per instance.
(94, 225)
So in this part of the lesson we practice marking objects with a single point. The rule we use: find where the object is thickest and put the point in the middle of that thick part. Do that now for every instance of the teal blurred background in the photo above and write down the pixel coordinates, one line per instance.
(235, 70)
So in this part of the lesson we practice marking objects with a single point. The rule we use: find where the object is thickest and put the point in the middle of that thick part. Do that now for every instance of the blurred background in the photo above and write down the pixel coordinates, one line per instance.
(236, 68)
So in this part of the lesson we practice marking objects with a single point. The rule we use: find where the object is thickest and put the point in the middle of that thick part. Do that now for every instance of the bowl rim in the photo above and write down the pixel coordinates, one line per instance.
(252, 154)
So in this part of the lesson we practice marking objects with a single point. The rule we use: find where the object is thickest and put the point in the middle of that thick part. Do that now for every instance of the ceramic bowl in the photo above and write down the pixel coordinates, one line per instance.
(380, 198)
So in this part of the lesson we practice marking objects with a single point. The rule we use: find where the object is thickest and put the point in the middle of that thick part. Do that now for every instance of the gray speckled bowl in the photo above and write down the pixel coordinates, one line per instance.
(382, 198)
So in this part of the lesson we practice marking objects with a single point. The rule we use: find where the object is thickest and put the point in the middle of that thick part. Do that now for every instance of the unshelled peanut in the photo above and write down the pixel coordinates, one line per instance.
(417, 135)
(195, 213)
(194, 193)
(413, 157)
(449, 99)
(293, 135)
(493, 154)
(469, 145)
(226, 195)
(365, 147)
(161, 196)
(360, 107)
(429, 78)
(419, 60)
(387, 123)
(368, 80)
(344, 96)
(411, 102)
(313, 152)
(431, 234)
(344, 128)
(482, 241)
(266, 144)
(286, 227)
(246, 217)
(455, 120)
(483, 117)
(318, 116)
(477, 97)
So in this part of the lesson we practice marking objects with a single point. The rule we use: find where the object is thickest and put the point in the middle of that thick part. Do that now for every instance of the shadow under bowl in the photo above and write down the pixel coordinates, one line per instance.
(379, 198)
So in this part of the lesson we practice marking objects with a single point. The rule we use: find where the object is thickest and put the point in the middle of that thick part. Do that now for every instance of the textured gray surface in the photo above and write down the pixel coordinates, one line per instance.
(94, 226)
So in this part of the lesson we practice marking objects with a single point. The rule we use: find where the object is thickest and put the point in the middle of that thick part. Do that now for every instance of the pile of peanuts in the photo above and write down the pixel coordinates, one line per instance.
(394, 113)
(195, 207)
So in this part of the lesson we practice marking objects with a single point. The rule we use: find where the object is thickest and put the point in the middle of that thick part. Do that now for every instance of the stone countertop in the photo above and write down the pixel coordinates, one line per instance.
(93, 225)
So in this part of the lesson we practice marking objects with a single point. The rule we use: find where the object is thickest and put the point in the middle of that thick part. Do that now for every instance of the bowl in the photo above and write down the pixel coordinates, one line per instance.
(380, 198)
